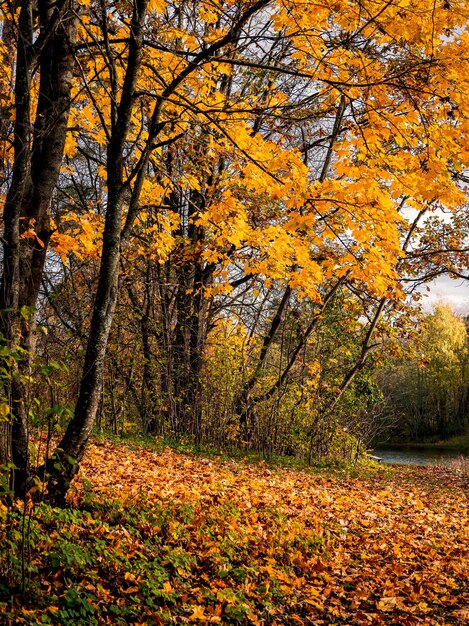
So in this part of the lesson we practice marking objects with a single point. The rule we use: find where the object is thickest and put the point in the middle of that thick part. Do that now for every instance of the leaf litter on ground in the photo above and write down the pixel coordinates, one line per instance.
(157, 537)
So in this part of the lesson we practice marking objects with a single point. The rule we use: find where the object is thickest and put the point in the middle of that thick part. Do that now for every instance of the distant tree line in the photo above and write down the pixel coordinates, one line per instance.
(429, 397)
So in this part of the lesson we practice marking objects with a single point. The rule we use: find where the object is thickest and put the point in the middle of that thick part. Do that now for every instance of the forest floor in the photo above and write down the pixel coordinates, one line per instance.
(160, 537)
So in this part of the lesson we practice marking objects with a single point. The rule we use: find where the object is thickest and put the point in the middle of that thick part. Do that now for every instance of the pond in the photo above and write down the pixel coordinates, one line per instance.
(410, 455)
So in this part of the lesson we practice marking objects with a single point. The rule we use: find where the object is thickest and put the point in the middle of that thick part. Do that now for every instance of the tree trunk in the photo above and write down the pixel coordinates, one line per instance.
(63, 465)
(244, 406)
(36, 167)
(191, 323)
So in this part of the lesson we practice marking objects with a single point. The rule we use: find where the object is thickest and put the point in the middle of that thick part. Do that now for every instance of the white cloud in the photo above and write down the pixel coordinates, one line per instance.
(453, 292)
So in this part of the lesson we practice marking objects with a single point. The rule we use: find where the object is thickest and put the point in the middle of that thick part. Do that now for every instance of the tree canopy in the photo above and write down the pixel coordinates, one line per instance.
(267, 181)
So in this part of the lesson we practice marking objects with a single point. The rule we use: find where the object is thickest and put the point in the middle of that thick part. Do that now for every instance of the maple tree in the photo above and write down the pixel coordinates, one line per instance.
(209, 151)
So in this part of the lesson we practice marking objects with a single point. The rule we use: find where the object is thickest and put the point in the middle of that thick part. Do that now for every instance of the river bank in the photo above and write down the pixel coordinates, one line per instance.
(459, 442)
(424, 453)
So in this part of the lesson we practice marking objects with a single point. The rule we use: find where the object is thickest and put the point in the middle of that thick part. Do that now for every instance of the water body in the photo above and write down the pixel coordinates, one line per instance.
(419, 456)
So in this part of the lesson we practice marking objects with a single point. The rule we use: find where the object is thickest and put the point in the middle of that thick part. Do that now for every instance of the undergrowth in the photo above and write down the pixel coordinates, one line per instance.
(153, 536)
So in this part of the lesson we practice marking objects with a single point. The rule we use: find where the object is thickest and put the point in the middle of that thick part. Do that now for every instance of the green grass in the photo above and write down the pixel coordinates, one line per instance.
(186, 446)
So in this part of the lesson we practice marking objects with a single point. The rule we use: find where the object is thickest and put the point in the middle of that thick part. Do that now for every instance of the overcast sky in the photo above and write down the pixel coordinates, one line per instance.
(454, 292)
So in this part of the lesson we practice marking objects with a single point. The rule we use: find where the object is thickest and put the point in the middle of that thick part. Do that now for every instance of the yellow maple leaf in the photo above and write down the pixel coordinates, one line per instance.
(198, 613)
(156, 6)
